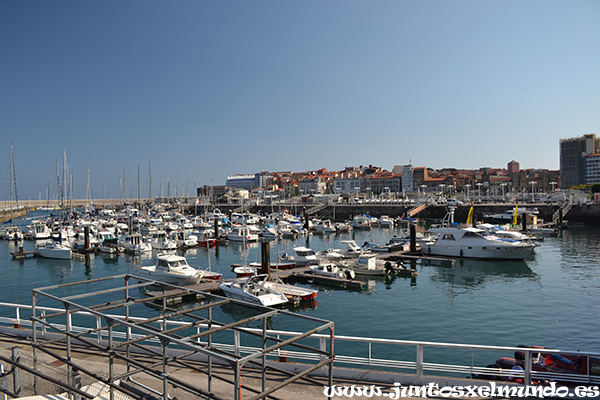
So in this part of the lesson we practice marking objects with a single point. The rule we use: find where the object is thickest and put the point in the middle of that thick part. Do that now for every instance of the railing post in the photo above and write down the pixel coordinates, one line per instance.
(419, 370)
(527, 378)
(98, 326)
(236, 342)
(16, 357)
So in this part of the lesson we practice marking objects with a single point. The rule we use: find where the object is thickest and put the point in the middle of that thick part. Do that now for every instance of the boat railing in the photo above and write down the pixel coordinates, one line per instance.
(410, 358)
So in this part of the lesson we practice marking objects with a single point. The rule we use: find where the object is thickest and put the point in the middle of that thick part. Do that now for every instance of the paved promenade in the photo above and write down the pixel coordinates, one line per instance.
(98, 362)
(196, 375)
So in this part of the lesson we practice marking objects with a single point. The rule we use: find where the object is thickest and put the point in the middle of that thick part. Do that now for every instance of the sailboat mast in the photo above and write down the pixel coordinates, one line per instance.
(10, 179)
(150, 177)
(59, 189)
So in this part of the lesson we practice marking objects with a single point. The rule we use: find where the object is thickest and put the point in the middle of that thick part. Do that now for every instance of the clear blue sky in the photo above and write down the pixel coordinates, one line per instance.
(206, 89)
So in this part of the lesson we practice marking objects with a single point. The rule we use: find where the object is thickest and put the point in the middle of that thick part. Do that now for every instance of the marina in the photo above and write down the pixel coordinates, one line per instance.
(446, 300)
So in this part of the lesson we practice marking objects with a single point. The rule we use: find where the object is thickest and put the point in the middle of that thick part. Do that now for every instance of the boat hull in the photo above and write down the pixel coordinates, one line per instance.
(487, 252)
(59, 254)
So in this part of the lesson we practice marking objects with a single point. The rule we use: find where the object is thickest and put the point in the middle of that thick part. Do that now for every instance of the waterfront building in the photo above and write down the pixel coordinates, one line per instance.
(347, 183)
(408, 182)
(420, 175)
(249, 182)
(572, 153)
(591, 169)
(384, 182)
(314, 185)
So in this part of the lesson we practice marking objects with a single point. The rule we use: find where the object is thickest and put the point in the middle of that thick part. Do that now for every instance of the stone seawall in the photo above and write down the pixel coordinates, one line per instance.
(588, 213)
(5, 215)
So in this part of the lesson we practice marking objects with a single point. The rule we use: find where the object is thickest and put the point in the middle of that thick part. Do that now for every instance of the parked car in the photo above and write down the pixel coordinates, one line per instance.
(454, 202)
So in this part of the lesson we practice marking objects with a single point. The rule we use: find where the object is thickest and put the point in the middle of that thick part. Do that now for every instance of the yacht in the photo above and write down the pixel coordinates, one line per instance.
(332, 270)
(171, 268)
(160, 241)
(253, 290)
(133, 244)
(302, 256)
(503, 233)
(55, 249)
(241, 233)
(369, 265)
(324, 226)
(11, 233)
(292, 292)
(385, 221)
(38, 230)
(474, 243)
(507, 216)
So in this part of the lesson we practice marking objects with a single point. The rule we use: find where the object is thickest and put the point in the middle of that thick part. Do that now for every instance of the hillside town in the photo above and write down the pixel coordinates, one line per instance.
(579, 166)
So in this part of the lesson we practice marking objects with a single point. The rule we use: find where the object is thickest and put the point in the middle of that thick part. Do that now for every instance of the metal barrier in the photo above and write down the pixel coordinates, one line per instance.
(347, 352)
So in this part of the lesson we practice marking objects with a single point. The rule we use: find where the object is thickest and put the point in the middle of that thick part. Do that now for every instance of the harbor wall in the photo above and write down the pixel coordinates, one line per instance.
(587, 213)
(432, 212)
(7, 214)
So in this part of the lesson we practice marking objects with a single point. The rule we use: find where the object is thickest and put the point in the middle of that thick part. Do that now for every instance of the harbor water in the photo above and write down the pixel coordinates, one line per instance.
(547, 300)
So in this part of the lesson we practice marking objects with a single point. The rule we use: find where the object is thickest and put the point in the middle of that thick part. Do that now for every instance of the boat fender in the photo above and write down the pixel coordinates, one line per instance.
(428, 250)
(461, 252)
(561, 358)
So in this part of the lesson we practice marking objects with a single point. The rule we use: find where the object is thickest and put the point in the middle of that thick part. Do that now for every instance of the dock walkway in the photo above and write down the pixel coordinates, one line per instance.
(221, 384)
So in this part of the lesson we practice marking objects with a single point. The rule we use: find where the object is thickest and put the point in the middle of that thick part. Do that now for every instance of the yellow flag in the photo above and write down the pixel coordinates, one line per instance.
(514, 219)
(470, 216)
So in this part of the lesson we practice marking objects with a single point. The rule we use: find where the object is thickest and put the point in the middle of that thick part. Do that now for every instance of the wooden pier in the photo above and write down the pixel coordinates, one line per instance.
(21, 255)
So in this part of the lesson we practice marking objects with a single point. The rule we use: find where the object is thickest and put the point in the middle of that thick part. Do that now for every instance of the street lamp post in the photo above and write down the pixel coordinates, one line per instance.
(532, 183)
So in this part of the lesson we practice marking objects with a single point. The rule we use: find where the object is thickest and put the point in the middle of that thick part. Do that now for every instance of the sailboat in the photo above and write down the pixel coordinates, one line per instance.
(12, 232)
(209, 274)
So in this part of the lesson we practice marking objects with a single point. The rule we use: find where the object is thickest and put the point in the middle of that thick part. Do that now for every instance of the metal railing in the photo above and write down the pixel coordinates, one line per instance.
(360, 353)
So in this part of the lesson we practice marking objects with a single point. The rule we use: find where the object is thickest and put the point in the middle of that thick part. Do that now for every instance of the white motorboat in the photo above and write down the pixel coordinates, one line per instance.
(269, 232)
(361, 222)
(302, 256)
(385, 221)
(351, 249)
(171, 268)
(38, 230)
(241, 233)
(253, 290)
(473, 243)
(108, 243)
(503, 233)
(292, 292)
(244, 271)
(507, 216)
(133, 244)
(161, 241)
(55, 249)
(333, 271)
(184, 239)
(11, 233)
(369, 265)
(324, 226)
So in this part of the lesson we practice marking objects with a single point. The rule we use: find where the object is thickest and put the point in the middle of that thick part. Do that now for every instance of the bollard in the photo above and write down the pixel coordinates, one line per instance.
(413, 238)
(265, 265)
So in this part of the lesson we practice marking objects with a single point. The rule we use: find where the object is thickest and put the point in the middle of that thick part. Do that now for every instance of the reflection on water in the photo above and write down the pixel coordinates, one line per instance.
(549, 300)
(474, 274)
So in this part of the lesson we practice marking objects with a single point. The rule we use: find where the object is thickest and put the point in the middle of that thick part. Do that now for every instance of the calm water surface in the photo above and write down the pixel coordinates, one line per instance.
(549, 300)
